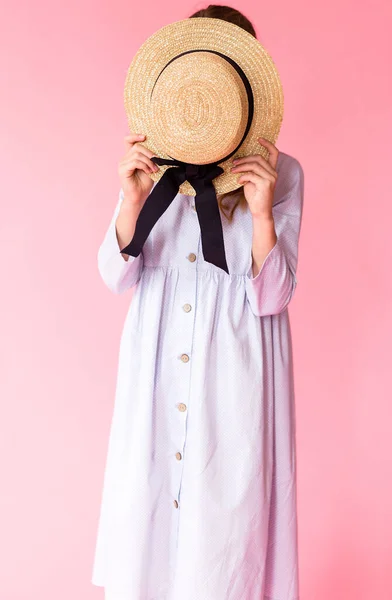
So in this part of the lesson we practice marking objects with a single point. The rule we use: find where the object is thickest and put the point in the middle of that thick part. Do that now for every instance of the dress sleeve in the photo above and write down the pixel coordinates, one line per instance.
(117, 273)
(271, 290)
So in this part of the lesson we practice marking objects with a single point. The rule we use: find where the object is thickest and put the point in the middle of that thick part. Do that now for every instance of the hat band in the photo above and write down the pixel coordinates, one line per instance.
(200, 177)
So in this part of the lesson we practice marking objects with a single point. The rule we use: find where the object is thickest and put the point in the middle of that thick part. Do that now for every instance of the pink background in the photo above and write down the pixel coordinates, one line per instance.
(63, 125)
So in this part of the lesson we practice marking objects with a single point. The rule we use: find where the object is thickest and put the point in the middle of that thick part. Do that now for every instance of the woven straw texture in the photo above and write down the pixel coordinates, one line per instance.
(195, 109)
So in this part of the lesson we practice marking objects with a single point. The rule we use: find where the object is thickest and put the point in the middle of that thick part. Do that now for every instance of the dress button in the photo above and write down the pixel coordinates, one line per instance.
(178, 456)
(184, 358)
(192, 257)
(187, 307)
(175, 503)
(182, 407)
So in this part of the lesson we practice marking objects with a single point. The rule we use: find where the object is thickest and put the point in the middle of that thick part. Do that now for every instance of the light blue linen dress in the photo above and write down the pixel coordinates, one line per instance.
(199, 494)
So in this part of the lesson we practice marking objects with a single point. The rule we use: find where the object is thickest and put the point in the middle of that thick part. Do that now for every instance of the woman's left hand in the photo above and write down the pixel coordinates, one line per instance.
(259, 178)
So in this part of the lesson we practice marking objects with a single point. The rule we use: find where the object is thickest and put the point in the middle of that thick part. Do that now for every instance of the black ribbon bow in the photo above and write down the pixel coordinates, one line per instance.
(200, 177)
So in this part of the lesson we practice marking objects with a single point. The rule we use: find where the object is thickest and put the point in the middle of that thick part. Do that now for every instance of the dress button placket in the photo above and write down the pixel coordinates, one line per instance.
(183, 315)
(185, 303)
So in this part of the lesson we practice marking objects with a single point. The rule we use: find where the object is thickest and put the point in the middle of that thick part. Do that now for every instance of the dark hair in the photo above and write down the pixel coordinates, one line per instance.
(228, 201)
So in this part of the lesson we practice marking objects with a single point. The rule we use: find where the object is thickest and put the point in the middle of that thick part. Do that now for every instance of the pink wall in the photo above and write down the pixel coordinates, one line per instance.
(64, 123)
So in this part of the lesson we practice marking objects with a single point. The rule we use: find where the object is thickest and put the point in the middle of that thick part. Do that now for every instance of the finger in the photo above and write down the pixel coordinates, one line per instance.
(249, 177)
(133, 164)
(261, 160)
(141, 153)
(140, 150)
(133, 138)
(254, 178)
(256, 167)
(272, 149)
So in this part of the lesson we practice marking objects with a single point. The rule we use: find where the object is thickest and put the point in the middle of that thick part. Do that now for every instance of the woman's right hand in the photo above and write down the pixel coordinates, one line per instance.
(134, 169)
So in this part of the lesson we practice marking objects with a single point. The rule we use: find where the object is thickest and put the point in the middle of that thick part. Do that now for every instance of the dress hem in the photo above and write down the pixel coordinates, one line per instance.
(165, 597)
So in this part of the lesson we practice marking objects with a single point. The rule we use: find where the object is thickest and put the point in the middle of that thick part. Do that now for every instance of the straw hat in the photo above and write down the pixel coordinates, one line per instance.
(194, 107)
(202, 90)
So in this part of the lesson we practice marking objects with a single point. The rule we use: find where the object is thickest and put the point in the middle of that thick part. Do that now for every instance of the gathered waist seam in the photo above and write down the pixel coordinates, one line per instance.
(191, 271)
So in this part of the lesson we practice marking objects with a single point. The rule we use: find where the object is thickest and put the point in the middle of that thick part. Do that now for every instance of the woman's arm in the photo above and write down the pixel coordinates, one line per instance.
(271, 282)
(120, 271)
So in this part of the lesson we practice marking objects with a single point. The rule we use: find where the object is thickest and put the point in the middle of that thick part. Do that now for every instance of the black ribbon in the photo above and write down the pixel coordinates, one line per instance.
(200, 177)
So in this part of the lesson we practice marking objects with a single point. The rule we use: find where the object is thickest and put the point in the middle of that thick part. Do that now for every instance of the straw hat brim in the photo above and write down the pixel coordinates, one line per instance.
(209, 34)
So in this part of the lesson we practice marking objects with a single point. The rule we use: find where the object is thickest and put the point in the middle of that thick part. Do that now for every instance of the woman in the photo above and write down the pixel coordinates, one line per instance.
(199, 499)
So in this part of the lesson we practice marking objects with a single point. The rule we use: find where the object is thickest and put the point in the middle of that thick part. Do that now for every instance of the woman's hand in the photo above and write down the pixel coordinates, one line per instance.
(259, 179)
(134, 169)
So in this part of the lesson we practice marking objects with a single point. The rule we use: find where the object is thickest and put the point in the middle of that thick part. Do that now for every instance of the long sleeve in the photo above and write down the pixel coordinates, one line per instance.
(118, 274)
(271, 290)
